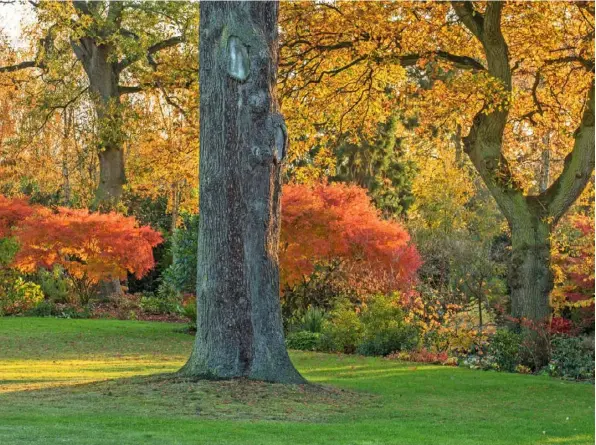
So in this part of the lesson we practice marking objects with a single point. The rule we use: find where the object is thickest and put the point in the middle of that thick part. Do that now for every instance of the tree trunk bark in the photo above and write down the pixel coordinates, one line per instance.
(243, 141)
(530, 278)
(104, 75)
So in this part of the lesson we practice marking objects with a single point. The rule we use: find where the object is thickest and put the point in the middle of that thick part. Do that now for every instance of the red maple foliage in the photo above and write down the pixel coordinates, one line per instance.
(576, 260)
(12, 212)
(88, 245)
(338, 221)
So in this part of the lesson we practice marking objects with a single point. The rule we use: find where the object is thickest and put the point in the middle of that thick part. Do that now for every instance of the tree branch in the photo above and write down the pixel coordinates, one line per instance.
(19, 66)
(484, 142)
(131, 89)
(168, 43)
(471, 18)
(578, 167)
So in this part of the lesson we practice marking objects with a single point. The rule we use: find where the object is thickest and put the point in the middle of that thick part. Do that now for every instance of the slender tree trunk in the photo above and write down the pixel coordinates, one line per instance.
(68, 118)
(243, 141)
(175, 205)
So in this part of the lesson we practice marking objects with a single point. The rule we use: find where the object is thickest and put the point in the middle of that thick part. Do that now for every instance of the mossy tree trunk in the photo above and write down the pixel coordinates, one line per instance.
(243, 143)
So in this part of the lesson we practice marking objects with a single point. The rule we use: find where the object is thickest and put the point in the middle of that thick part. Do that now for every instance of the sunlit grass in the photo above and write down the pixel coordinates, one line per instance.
(96, 382)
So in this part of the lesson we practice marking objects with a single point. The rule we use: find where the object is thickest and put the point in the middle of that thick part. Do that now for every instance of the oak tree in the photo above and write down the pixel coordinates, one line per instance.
(243, 144)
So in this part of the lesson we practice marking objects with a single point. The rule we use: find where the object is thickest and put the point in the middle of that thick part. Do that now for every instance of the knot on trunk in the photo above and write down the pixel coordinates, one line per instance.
(238, 60)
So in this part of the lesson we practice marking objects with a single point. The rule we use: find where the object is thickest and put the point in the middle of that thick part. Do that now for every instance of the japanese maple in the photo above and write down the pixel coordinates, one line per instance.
(338, 221)
(93, 246)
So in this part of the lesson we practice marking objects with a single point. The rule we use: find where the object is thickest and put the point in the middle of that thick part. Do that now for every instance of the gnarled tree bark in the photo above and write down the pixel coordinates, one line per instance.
(243, 143)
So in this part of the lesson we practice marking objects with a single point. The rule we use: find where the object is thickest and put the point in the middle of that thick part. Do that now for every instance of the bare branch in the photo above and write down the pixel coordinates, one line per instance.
(18, 66)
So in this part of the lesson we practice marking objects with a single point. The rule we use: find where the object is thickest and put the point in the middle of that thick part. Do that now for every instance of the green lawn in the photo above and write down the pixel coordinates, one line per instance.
(106, 382)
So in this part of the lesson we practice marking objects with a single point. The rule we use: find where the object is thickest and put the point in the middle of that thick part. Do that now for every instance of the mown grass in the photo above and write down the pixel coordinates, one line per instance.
(109, 382)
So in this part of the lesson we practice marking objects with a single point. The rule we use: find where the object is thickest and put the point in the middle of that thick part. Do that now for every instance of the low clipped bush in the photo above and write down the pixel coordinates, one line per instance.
(304, 341)
(378, 328)
(158, 305)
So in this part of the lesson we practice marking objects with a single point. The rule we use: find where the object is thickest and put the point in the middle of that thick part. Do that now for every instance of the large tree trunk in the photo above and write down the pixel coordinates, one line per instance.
(103, 75)
(530, 279)
(243, 141)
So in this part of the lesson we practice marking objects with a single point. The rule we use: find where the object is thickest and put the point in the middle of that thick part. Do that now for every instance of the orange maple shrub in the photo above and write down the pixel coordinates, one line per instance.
(338, 221)
(12, 212)
(88, 245)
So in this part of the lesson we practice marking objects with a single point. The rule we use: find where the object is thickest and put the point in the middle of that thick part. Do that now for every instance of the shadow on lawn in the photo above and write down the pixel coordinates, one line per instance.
(238, 399)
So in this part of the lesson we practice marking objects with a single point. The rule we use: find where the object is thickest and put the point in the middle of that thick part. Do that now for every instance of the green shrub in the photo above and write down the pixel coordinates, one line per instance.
(571, 359)
(8, 249)
(73, 312)
(325, 289)
(158, 305)
(385, 330)
(44, 309)
(343, 330)
(17, 296)
(313, 320)
(55, 285)
(182, 273)
(304, 341)
(503, 350)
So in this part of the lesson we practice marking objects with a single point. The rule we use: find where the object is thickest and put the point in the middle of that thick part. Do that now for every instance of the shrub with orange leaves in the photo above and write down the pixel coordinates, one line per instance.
(338, 221)
(89, 246)
(573, 266)
(12, 212)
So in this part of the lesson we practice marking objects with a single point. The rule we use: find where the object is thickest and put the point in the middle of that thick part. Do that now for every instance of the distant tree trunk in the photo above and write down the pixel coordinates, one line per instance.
(103, 75)
(243, 142)
(175, 205)
(68, 119)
